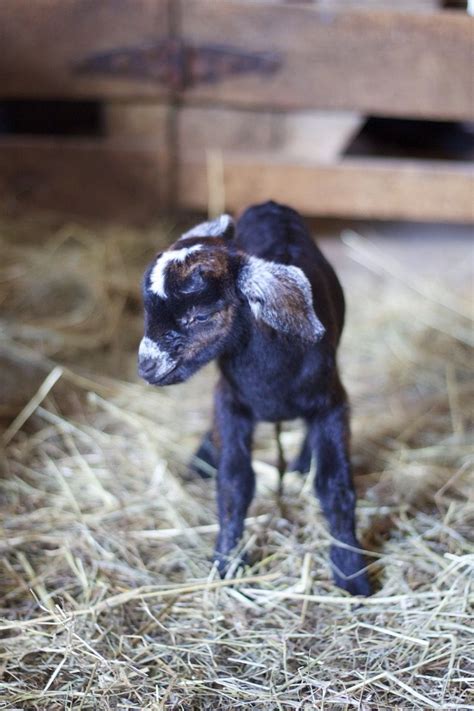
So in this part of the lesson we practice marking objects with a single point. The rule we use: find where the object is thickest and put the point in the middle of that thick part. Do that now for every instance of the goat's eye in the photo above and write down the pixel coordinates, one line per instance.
(190, 320)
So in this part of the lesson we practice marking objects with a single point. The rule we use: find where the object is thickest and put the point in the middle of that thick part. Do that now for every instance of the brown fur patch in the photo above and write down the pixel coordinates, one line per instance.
(217, 328)
(213, 262)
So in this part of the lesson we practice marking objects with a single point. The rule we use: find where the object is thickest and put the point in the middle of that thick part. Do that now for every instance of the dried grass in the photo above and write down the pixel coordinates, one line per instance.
(108, 597)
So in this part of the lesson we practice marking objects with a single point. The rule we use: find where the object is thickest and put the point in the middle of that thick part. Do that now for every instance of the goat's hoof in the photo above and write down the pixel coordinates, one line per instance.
(359, 585)
(349, 570)
(229, 563)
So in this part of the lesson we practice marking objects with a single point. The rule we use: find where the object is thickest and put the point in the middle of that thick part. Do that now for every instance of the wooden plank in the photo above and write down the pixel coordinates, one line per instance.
(364, 188)
(413, 64)
(203, 128)
(42, 41)
(133, 174)
(406, 5)
(87, 177)
(380, 61)
(303, 135)
(266, 154)
(130, 183)
(138, 123)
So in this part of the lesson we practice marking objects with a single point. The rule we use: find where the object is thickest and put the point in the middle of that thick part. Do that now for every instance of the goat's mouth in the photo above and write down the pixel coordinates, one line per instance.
(153, 376)
(166, 378)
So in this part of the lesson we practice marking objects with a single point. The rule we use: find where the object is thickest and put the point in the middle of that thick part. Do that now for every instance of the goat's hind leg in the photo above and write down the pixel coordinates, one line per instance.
(330, 437)
(302, 462)
(205, 460)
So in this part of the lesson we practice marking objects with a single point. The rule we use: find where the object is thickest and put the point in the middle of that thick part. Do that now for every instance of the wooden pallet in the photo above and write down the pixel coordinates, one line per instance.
(222, 103)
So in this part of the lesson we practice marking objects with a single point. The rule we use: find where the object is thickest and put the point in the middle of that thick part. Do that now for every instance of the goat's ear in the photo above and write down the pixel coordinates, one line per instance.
(280, 296)
(222, 226)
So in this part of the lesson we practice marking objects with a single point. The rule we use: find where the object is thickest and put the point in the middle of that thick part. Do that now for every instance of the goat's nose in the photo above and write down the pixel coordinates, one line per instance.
(146, 366)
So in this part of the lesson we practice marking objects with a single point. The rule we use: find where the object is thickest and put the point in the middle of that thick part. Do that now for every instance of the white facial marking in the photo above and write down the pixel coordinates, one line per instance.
(158, 273)
(213, 228)
(148, 349)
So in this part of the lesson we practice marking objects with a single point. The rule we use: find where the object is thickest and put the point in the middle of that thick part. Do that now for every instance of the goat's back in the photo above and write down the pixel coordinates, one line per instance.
(278, 234)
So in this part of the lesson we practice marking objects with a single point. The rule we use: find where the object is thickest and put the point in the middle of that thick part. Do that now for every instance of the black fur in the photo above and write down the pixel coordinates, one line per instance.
(268, 375)
(273, 379)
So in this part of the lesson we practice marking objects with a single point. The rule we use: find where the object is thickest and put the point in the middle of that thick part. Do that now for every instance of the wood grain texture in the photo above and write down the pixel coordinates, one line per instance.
(398, 63)
(138, 123)
(131, 182)
(410, 5)
(365, 188)
(42, 41)
(86, 177)
(317, 136)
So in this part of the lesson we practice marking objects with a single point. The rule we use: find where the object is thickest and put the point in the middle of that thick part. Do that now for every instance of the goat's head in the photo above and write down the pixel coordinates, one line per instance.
(193, 295)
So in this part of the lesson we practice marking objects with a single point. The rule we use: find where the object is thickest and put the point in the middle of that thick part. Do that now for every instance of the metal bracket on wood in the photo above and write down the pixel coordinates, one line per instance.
(178, 65)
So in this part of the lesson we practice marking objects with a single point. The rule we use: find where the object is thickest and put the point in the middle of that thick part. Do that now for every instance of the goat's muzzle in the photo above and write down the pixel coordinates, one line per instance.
(154, 364)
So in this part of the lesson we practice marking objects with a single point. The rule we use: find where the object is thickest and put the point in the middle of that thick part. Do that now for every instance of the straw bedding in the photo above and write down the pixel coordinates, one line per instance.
(108, 596)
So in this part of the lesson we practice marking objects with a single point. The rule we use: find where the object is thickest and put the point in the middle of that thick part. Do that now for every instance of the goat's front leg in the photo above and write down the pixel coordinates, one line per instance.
(329, 435)
(235, 476)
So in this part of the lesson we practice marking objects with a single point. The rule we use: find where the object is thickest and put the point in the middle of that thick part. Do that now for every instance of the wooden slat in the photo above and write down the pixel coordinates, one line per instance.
(41, 42)
(130, 183)
(388, 62)
(410, 5)
(318, 136)
(365, 188)
(143, 123)
(374, 61)
(295, 157)
(91, 178)
(136, 172)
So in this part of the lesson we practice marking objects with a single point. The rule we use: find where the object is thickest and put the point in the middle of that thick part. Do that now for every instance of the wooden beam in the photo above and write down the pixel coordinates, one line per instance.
(386, 62)
(152, 159)
(409, 5)
(130, 183)
(396, 62)
(42, 42)
(365, 188)
(318, 136)
(87, 177)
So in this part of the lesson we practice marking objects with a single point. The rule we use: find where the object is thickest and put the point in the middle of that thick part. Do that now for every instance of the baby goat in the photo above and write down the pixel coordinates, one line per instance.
(266, 304)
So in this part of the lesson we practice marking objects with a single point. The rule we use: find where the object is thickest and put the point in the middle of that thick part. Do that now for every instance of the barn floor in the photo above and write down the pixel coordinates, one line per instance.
(108, 598)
